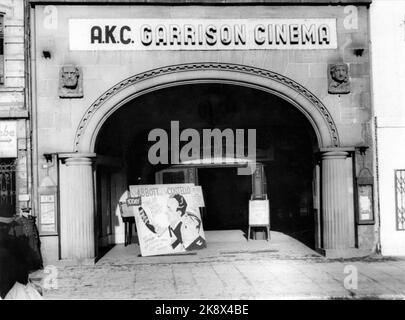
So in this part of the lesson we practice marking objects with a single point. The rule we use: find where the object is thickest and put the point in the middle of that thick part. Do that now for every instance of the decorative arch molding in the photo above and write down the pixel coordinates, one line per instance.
(145, 82)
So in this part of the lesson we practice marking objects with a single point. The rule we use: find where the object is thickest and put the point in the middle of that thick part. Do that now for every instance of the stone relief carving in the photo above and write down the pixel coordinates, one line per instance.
(339, 80)
(70, 82)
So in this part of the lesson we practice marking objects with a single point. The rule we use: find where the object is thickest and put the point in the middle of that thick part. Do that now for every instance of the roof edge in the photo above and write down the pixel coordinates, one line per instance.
(201, 2)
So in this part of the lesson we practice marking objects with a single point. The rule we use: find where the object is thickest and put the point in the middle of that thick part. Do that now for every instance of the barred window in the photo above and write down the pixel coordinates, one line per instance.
(1, 49)
(400, 198)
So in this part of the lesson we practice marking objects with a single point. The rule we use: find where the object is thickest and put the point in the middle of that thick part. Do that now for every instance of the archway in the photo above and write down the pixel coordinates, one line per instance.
(338, 228)
(285, 145)
(128, 89)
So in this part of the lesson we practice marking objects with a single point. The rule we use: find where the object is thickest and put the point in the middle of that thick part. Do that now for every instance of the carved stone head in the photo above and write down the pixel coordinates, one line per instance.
(70, 82)
(339, 82)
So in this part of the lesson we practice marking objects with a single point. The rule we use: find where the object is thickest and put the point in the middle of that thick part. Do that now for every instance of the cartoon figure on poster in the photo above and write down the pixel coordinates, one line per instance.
(185, 228)
(169, 223)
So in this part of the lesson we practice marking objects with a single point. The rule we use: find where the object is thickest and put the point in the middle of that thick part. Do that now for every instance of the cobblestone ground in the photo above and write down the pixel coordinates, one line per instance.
(260, 271)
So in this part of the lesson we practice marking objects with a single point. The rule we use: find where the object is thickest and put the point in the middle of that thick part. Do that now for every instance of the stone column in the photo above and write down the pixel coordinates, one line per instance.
(336, 199)
(79, 209)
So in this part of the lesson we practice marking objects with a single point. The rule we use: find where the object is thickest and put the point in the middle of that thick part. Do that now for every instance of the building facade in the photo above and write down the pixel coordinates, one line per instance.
(15, 144)
(105, 74)
(388, 46)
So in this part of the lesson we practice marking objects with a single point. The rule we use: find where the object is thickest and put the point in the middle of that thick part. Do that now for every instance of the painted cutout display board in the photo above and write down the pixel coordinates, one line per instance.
(168, 218)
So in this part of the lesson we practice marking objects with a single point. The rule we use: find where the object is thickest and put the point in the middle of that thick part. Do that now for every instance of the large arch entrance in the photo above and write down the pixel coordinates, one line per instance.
(292, 124)
(285, 145)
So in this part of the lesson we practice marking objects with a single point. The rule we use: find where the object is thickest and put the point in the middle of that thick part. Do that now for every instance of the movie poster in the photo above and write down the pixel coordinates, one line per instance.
(168, 218)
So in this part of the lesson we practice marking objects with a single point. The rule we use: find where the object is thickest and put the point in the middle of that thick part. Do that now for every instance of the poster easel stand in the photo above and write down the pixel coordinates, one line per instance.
(268, 237)
(259, 216)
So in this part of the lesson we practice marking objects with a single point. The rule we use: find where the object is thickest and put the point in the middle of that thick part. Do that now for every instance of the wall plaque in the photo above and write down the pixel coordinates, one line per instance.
(70, 82)
(338, 78)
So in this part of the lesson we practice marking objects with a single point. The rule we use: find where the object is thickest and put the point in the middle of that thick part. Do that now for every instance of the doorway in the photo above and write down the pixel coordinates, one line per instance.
(226, 196)
(7, 187)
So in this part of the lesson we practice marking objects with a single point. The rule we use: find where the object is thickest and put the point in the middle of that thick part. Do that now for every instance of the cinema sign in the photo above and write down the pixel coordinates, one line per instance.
(202, 34)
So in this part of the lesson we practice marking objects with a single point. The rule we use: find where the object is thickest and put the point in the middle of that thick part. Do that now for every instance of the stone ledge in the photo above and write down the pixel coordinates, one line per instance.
(14, 114)
(11, 89)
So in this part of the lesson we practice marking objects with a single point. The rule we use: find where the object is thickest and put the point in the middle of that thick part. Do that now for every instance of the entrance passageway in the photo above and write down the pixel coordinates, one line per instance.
(285, 146)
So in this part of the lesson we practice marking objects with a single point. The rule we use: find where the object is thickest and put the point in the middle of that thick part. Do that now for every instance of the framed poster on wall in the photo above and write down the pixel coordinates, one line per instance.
(47, 215)
(365, 200)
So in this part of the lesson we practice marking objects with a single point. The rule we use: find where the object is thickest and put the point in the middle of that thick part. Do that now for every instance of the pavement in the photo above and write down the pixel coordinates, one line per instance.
(230, 268)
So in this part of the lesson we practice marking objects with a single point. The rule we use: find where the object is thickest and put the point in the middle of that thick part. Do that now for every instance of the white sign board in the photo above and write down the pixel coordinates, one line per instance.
(259, 212)
(23, 197)
(202, 34)
(198, 197)
(8, 139)
(167, 218)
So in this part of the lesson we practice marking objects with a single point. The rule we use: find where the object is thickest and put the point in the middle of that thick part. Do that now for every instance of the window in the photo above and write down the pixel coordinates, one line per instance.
(174, 177)
(1, 49)
(7, 187)
(400, 198)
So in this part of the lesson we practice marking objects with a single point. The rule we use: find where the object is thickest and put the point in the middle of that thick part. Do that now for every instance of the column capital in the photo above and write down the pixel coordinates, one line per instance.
(78, 161)
(337, 149)
(334, 155)
(64, 155)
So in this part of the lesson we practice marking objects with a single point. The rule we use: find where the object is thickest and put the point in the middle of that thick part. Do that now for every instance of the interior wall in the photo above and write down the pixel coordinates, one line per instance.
(103, 220)
(111, 189)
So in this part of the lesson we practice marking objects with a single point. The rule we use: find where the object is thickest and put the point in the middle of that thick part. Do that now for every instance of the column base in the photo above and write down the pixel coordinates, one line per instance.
(344, 253)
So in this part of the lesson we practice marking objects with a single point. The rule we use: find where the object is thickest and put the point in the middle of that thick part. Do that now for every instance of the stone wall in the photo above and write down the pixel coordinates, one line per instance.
(59, 118)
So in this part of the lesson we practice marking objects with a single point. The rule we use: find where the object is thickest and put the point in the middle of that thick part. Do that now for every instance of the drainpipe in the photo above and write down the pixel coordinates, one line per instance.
(33, 114)
(27, 98)
(377, 226)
